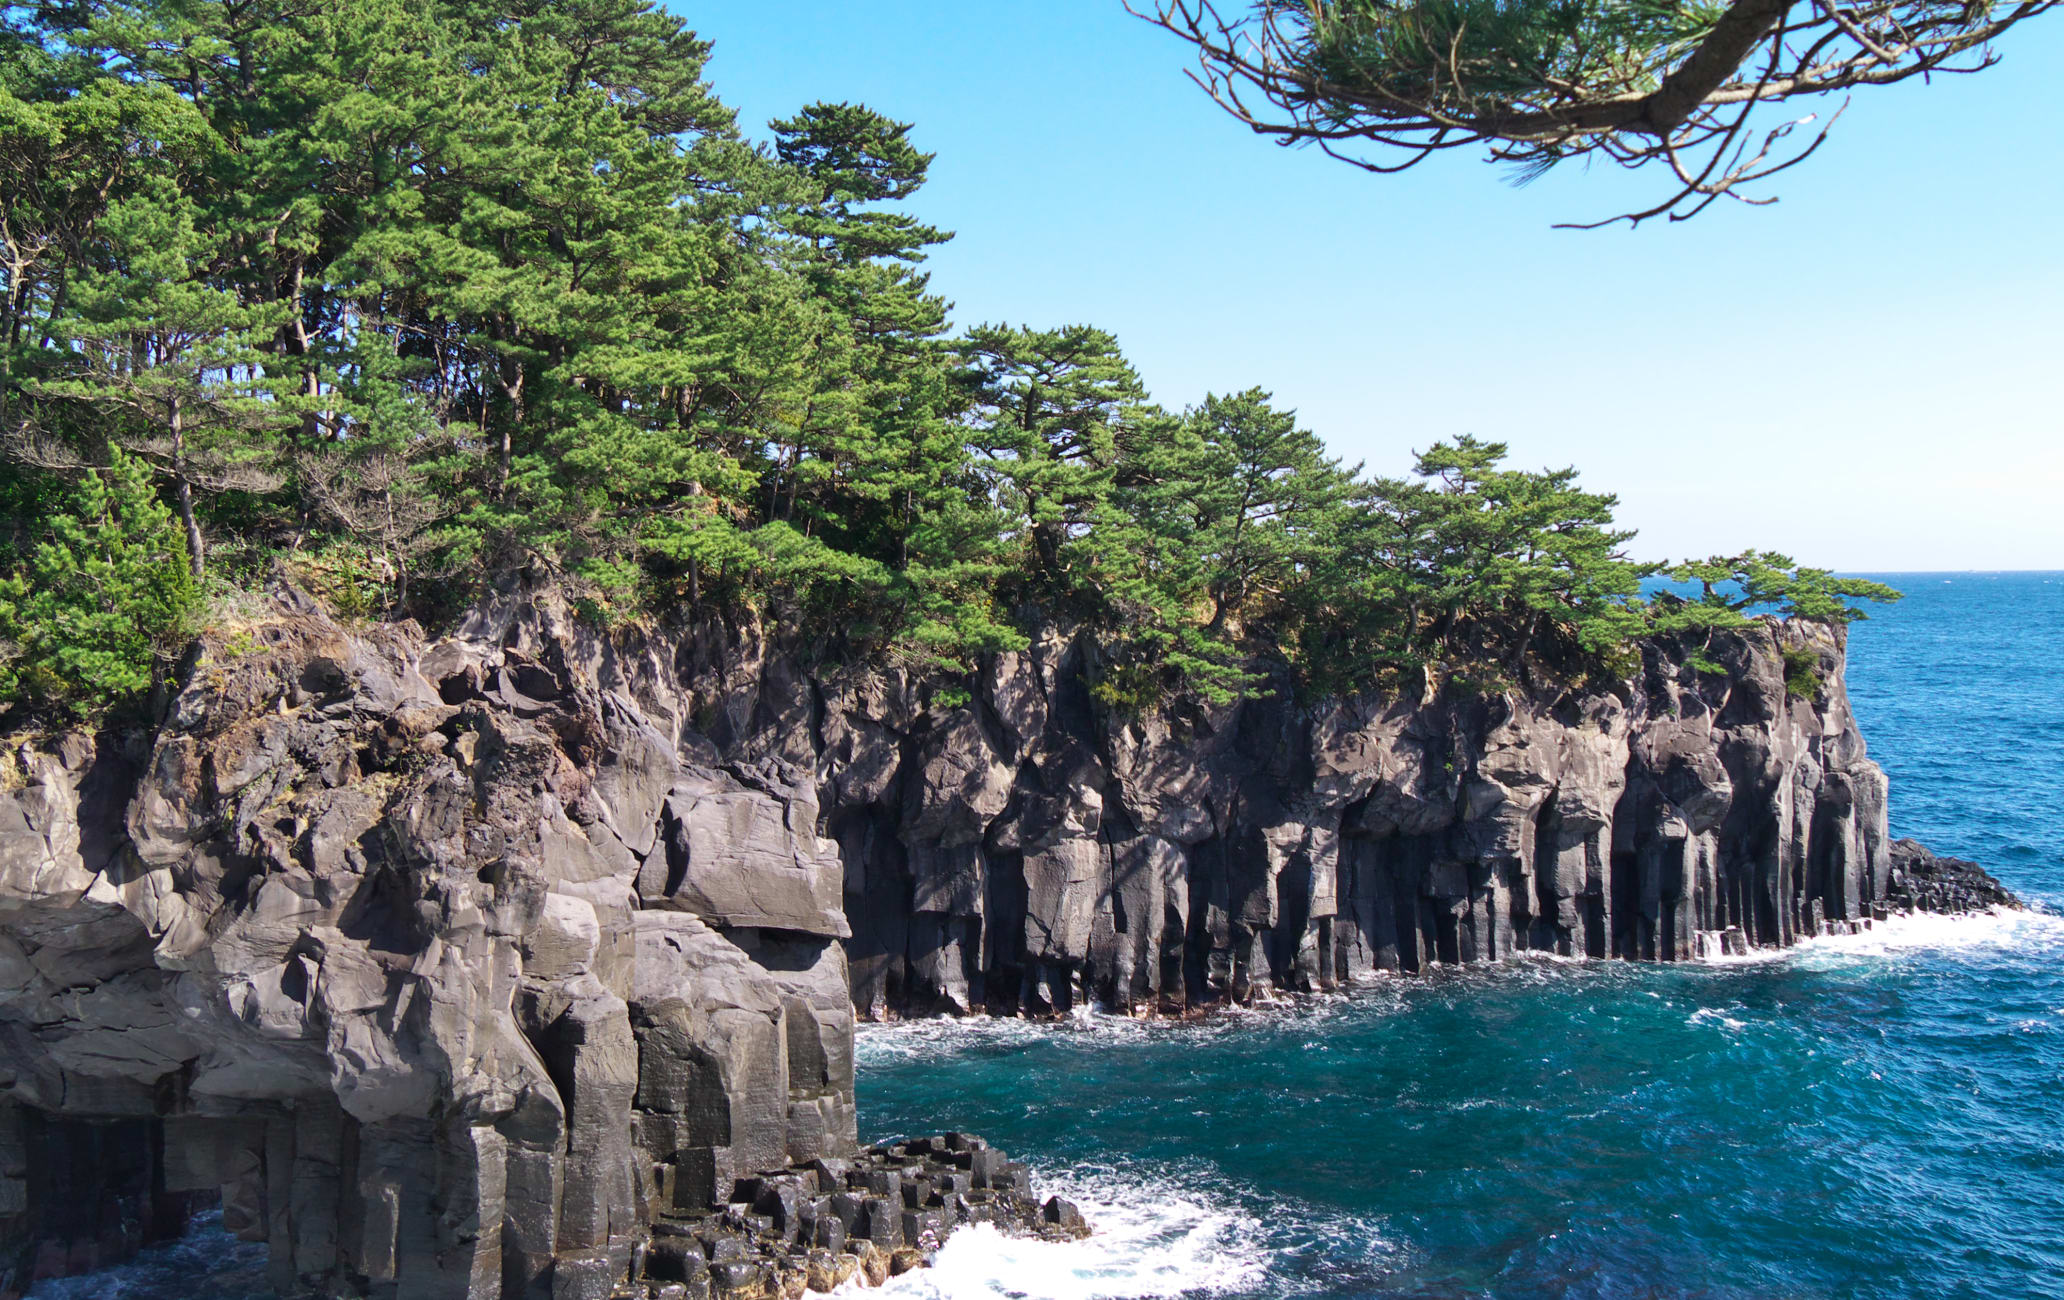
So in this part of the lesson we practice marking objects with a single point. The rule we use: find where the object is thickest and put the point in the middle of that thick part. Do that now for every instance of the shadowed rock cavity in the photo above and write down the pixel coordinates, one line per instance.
(490, 966)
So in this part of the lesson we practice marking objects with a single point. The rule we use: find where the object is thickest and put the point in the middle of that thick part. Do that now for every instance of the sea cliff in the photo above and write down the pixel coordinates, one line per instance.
(525, 961)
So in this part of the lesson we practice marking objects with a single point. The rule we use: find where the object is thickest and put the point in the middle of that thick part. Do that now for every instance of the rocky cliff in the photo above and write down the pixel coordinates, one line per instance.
(454, 967)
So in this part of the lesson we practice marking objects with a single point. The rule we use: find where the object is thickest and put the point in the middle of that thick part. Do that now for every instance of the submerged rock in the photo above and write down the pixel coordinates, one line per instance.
(525, 963)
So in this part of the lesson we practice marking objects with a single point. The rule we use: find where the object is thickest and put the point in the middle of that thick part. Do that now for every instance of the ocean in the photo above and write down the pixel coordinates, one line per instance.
(1874, 1116)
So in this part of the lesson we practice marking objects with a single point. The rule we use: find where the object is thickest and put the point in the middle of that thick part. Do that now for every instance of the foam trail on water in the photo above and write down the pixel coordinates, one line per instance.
(1149, 1241)
(914, 1039)
(908, 1040)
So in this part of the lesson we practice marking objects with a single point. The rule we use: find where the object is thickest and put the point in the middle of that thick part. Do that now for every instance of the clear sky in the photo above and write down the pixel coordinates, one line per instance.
(1867, 375)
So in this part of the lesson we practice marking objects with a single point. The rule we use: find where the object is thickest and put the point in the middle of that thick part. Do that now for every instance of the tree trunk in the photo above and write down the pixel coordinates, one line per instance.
(1048, 546)
(182, 493)
(513, 389)
(1526, 638)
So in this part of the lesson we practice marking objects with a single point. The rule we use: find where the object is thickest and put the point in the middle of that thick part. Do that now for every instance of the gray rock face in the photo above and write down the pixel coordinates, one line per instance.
(1032, 851)
(1922, 882)
(443, 966)
(463, 969)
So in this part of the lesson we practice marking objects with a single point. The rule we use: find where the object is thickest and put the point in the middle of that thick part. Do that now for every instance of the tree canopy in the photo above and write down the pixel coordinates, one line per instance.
(1670, 86)
(410, 297)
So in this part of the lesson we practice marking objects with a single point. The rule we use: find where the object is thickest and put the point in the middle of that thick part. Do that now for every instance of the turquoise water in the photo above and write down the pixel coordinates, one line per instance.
(1872, 1116)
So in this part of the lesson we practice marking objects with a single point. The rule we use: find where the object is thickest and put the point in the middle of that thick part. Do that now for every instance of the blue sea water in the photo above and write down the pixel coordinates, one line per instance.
(1861, 1117)
(1872, 1116)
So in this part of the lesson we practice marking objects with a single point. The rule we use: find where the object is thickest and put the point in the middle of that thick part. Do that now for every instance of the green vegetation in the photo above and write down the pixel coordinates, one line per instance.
(409, 297)
(101, 606)
(1731, 585)
(1802, 673)
(1705, 663)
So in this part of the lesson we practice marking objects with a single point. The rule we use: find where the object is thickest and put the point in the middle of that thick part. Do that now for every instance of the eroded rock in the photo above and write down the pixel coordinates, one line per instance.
(525, 963)
(430, 961)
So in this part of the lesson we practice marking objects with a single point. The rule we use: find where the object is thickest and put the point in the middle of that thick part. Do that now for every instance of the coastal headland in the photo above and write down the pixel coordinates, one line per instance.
(525, 961)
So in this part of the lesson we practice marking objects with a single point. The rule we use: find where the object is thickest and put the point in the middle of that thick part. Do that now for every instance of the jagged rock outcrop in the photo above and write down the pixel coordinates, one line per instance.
(1922, 882)
(1032, 850)
(442, 965)
(454, 967)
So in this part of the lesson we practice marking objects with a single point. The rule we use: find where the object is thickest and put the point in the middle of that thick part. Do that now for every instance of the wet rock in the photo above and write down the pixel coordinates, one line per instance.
(874, 1265)
(844, 1268)
(821, 1270)
(904, 1259)
(738, 1280)
(1918, 881)
(1060, 1219)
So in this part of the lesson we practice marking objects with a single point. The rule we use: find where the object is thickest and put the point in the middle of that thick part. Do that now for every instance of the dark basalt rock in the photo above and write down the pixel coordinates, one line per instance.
(441, 966)
(795, 1227)
(1922, 882)
(1034, 851)
(525, 963)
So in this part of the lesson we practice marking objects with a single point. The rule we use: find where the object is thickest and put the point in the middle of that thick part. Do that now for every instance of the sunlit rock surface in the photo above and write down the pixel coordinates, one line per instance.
(489, 966)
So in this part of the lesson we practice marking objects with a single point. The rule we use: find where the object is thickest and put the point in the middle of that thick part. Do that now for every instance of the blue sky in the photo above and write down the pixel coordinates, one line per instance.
(1866, 374)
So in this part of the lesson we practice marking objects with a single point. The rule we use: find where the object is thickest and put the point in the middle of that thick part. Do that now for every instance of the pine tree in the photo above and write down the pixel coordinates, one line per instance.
(1045, 412)
(1266, 499)
(105, 601)
(174, 363)
(877, 467)
(1732, 586)
(435, 292)
(1511, 555)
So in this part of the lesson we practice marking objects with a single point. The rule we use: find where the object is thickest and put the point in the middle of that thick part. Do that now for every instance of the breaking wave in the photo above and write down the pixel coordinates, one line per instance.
(1152, 1239)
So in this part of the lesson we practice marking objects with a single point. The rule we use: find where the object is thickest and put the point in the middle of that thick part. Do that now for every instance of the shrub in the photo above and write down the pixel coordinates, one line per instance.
(350, 580)
(1802, 673)
(104, 603)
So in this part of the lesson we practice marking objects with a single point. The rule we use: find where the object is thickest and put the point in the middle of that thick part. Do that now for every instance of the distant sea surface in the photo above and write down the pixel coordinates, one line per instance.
(1877, 1116)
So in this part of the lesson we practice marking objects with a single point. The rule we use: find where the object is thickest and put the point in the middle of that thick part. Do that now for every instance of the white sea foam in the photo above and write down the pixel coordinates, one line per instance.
(904, 1040)
(2030, 932)
(907, 1039)
(1714, 1015)
(1150, 1240)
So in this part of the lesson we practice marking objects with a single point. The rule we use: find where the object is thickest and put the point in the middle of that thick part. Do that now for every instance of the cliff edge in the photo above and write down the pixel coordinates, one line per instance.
(487, 966)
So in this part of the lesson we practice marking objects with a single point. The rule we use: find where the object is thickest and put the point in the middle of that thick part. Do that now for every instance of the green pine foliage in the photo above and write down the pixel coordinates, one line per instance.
(104, 602)
(1730, 585)
(411, 296)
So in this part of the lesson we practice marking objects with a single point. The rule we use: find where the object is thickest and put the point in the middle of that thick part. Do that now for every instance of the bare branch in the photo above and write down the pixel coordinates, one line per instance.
(26, 445)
